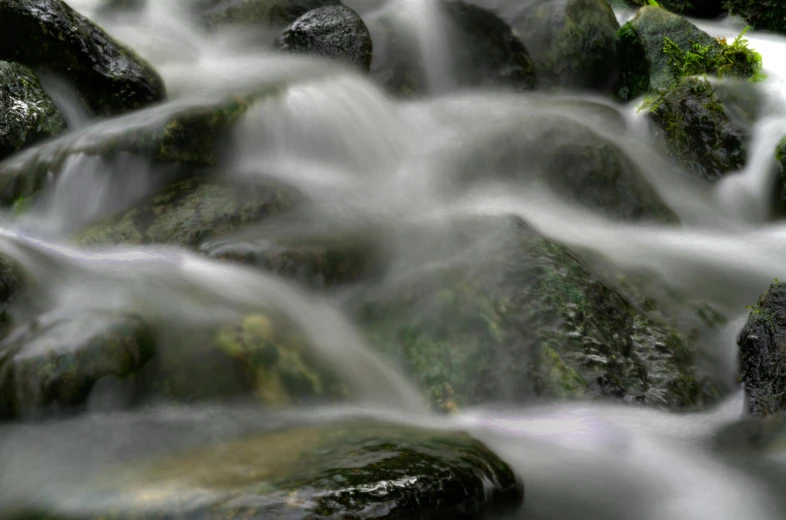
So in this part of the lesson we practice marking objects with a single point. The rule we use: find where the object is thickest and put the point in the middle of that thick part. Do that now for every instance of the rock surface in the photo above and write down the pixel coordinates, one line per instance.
(690, 120)
(347, 470)
(516, 317)
(763, 353)
(27, 113)
(53, 362)
(110, 77)
(763, 15)
(335, 32)
(694, 8)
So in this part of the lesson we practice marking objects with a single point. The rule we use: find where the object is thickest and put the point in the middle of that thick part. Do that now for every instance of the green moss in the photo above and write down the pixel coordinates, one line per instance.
(720, 59)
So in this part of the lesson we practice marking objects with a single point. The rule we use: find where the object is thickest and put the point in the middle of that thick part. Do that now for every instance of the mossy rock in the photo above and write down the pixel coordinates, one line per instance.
(334, 32)
(515, 317)
(762, 353)
(484, 51)
(695, 8)
(27, 113)
(692, 124)
(261, 356)
(53, 362)
(779, 192)
(189, 212)
(573, 43)
(111, 78)
(174, 134)
(216, 14)
(763, 15)
(346, 470)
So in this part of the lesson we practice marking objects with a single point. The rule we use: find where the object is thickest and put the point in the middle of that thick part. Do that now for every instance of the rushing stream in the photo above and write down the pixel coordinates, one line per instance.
(369, 164)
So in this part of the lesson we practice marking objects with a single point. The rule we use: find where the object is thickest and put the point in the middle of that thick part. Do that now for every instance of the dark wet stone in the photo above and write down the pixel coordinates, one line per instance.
(692, 124)
(695, 8)
(484, 51)
(515, 317)
(335, 32)
(110, 77)
(53, 362)
(220, 13)
(763, 353)
(763, 15)
(350, 470)
(27, 113)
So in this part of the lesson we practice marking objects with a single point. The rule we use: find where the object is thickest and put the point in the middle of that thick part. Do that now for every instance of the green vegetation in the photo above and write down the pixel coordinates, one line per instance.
(721, 59)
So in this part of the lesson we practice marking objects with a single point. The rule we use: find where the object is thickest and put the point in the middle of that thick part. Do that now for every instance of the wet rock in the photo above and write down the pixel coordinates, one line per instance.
(110, 77)
(188, 213)
(346, 470)
(515, 317)
(763, 15)
(572, 42)
(335, 32)
(645, 65)
(220, 13)
(53, 362)
(762, 353)
(27, 113)
(484, 51)
(690, 120)
(694, 8)
(261, 356)
(173, 134)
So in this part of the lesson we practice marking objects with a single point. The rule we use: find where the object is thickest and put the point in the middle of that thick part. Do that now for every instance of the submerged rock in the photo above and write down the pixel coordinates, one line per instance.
(346, 470)
(484, 51)
(54, 361)
(27, 113)
(762, 353)
(110, 77)
(189, 212)
(515, 317)
(219, 13)
(335, 32)
(763, 15)
(690, 120)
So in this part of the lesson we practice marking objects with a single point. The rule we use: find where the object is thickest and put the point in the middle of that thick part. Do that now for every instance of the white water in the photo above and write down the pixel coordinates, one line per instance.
(363, 159)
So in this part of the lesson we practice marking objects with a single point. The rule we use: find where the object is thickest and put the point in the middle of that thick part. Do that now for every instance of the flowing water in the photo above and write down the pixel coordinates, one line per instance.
(364, 160)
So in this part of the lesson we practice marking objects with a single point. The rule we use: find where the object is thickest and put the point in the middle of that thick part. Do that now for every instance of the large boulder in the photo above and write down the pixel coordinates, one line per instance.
(691, 123)
(357, 469)
(483, 51)
(53, 362)
(111, 78)
(27, 113)
(763, 15)
(335, 32)
(216, 14)
(573, 43)
(513, 317)
(763, 353)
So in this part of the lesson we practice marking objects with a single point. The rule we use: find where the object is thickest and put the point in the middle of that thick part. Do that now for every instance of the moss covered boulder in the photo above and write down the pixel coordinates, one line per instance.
(111, 78)
(692, 124)
(216, 14)
(53, 362)
(573, 43)
(334, 32)
(515, 317)
(763, 15)
(483, 51)
(261, 356)
(189, 212)
(345, 470)
(27, 113)
(763, 353)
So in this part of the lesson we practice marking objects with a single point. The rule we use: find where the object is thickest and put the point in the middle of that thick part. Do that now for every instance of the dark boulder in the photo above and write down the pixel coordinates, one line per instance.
(216, 14)
(763, 15)
(335, 32)
(27, 113)
(763, 353)
(692, 124)
(345, 470)
(505, 315)
(695, 8)
(53, 362)
(483, 50)
(110, 77)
